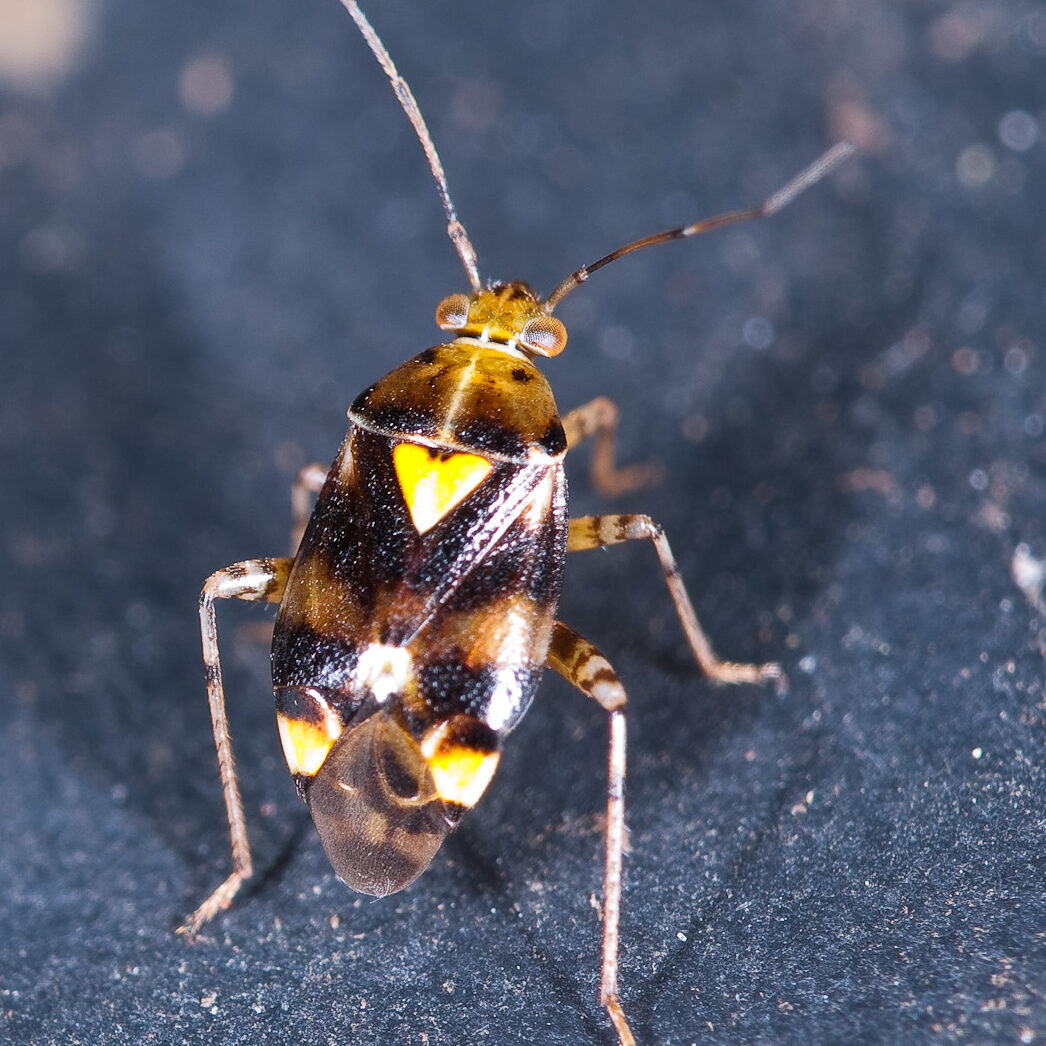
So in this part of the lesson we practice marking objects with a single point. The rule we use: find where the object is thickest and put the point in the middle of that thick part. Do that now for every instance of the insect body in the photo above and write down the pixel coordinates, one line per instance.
(418, 615)
(419, 611)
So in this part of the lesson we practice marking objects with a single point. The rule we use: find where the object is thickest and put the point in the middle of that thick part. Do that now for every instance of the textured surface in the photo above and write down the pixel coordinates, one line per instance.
(849, 404)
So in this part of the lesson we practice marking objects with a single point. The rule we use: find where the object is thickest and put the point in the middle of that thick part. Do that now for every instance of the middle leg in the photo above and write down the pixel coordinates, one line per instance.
(596, 531)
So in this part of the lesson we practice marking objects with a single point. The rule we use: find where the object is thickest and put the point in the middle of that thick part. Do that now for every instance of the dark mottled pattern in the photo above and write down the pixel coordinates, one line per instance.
(501, 571)
(301, 656)
(489, 435)
(363, 572)
(305, 703)
(469, 732)
(554, 440)
(450, 686)
(298, 704)
(524, 559)
(380, 521)
(398, 417)
(549, 550)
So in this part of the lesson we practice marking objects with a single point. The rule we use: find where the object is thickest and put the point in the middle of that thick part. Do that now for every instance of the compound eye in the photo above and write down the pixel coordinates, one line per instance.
(453, 312)
(544, 335)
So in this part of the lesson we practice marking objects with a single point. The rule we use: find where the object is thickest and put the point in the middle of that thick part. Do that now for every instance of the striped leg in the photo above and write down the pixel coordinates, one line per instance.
(599, 419)
(255, 579)
(580, 663)
(309, 481)
(597, 531)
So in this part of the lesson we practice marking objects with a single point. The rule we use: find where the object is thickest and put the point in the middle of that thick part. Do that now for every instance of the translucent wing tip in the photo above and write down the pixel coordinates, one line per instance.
(376, 809)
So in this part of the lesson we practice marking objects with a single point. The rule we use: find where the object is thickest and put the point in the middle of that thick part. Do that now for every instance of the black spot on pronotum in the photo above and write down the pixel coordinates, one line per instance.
(554, 439)
(491, 436)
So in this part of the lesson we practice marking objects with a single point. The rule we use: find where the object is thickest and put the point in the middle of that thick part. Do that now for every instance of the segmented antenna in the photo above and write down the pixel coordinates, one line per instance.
(455, 230)
(802, 181)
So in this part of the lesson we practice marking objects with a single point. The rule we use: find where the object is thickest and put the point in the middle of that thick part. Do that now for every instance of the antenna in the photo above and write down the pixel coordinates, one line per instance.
(455, 230)
(802, 181)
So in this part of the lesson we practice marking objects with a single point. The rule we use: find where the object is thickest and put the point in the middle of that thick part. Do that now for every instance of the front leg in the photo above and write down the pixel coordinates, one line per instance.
(254, 579)
(597, 531)
(599, 420)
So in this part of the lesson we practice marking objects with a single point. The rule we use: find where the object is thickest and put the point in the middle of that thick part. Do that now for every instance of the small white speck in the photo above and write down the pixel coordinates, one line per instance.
(1018, 130)
(681, 936)
(1028, 572)
(384, 670)
(977, 752)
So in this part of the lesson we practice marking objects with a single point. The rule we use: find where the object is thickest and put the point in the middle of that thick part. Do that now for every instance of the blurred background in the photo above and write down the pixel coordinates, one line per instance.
(216, 227)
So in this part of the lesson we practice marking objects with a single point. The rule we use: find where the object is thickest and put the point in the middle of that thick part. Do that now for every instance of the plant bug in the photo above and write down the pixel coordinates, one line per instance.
(419, 611)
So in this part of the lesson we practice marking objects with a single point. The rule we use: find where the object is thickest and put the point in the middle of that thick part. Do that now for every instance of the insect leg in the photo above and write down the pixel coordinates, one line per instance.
(597, 531)
(581, 664)
(255, 579)
(599, 418)
(309, 481)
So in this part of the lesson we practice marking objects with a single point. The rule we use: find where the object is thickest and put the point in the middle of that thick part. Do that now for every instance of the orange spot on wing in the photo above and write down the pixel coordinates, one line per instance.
(461, 775)
(462, 756)
(305, 744)
(434, 483)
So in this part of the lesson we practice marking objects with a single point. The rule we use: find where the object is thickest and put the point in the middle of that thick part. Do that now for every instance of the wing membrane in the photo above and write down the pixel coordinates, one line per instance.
(376, 808)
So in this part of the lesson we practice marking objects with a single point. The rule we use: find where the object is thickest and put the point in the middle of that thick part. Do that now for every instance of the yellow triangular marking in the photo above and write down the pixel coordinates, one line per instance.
(434, 483)
(306, 744)
(461, 774)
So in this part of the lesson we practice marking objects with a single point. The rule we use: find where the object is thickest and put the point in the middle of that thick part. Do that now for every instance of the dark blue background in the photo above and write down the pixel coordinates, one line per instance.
(849, 401)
